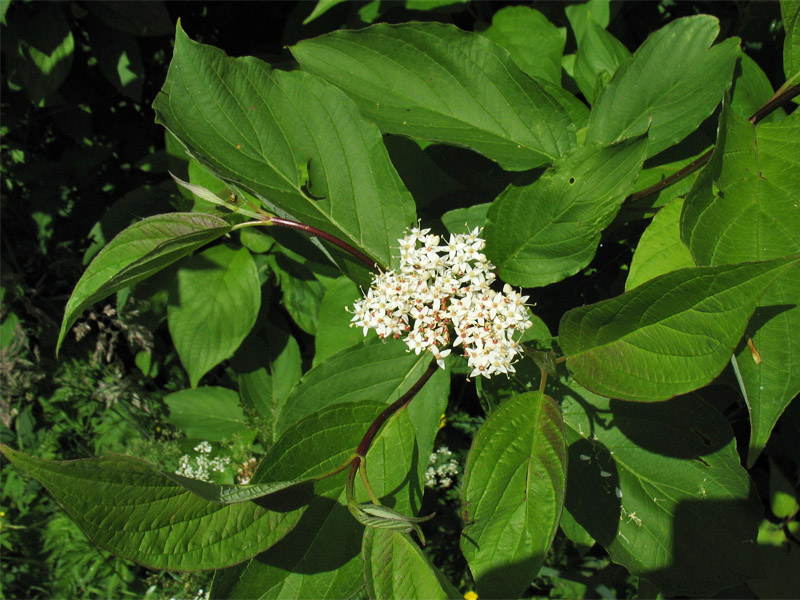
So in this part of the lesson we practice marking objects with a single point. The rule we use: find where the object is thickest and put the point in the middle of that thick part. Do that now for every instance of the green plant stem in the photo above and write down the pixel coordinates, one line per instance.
(374, 428)
(777, 99)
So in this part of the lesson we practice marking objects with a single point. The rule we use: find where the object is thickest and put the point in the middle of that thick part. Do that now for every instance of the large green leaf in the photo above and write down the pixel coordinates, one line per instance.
(289, 138)
(660, 249)
(661, 487)
(138, 252)
(742, 207)
(671, 335)
(207, 413)
(435, 82)
(376, 370)
(128, 507)
(321, 559)
(513, 493)
(396, 567)
(218, 297)
(543, 231)
(598, 57)
(674, 81)
(535, 44)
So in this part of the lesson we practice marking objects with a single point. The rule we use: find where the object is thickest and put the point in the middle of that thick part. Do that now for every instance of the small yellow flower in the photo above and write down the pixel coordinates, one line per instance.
(470, 596)
(442, 421)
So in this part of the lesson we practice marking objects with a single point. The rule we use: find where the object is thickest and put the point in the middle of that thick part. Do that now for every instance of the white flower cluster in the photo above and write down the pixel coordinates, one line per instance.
(443, 474)
(201, 465)
(442, 291)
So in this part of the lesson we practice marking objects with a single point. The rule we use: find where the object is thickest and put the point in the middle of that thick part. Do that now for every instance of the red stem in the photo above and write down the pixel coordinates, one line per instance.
(371, 264)
(369, 436)
(771, 105)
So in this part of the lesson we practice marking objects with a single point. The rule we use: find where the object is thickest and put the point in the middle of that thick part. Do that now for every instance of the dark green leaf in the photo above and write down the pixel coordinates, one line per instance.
(435, 82)
(218, 298)
(543, 231)
(138, 252)
(674, 81)
(128, 507)
(645, 478)
(668, 336)
(513, 493)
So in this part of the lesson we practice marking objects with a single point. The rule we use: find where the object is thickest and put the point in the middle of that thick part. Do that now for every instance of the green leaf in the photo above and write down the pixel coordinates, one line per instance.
(138, 252)
(303, 283)
(288, 138)
(321, 558)
(542, 231)
(671, 335)
(783, 495)
(434, 82)
(218, 297)
(206, 413)
(580, 14)
(321, 8)
(790, 13)
(674, 81)
(599, 55)
(396, 567)
(751, 89)
(535, 44)
(128, 507)
(119, 59)
(660, 249)
(742, 208)
(233, 494)
(645, 478)
(44, 52)
(513, 493)
(268, 367)
(464, 220)
(375, 371)
(333, 329)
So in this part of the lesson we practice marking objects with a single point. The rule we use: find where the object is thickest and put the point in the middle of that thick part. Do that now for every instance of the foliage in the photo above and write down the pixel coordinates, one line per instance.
(630, 165)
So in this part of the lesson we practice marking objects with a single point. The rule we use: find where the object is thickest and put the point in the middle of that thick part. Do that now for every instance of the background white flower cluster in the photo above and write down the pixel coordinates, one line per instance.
(442, 469)
(441, 297)
(201, 465)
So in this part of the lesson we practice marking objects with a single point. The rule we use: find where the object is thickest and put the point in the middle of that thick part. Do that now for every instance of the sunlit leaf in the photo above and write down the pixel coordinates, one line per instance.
(541, 231)
(744, 207)
(513, 493)
(670, 335)
(432, 81)
(138, 252)
(218, 297)
(674, 81)
(289, 138)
